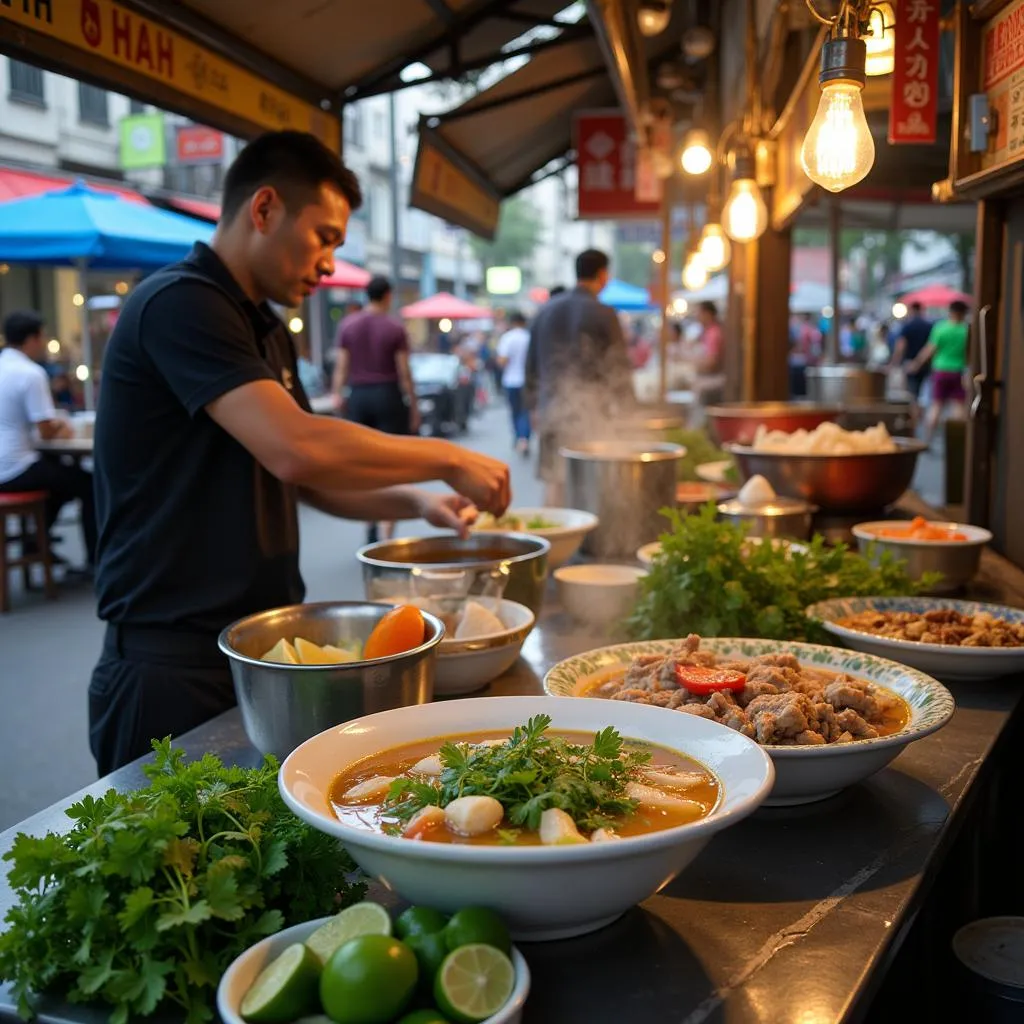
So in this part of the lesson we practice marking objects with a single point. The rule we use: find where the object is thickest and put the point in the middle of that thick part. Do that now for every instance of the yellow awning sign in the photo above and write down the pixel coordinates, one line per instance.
(106, 30)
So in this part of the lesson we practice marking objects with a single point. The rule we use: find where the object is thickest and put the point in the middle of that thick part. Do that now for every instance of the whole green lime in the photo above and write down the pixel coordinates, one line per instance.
(424, 1017)
(473, 925)
(430, 949)
(368, 980)
(418, 921)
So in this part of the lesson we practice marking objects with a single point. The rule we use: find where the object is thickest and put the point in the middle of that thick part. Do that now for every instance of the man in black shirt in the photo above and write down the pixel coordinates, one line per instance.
(204, 442)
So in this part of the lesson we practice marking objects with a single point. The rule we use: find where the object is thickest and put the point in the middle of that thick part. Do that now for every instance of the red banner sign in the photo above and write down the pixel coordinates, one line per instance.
(200, 145)
(913, 117)
(606, 160)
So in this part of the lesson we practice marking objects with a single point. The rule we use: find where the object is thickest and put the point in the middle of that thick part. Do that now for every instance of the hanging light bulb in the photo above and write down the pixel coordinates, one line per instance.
(696, 154)
(880, 40)
(652, 16)
(744, 216)
(715, 249)
(838, 150)
(695, 273)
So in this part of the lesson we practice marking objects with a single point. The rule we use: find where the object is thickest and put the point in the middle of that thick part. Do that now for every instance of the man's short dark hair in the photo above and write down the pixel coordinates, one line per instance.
(958, 307)
(916, 309)
(295, 164)
(557, 290)
(22, 325)
(379, 288)
(707, 306)
(515, 317)
(590, 263)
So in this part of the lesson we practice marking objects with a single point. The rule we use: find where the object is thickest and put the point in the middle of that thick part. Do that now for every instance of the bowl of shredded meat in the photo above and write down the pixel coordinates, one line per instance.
(960, 641)
(828, 717)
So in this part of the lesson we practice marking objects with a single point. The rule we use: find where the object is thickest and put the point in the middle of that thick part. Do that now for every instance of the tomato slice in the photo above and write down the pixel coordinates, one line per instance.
(701, 681)
(400, 630)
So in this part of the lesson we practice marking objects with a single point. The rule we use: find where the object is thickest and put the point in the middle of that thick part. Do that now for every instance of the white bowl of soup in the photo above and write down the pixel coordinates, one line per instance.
(828, 717)
(550, 889)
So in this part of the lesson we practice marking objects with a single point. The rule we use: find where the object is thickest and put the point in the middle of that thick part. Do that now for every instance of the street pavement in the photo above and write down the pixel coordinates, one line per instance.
(48, 649)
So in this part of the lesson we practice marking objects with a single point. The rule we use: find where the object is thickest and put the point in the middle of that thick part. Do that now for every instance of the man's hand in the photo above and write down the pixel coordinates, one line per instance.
(449, 511)
(485, 481)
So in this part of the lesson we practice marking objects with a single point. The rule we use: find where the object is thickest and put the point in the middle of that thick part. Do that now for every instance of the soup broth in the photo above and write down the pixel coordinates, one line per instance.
(698, 788)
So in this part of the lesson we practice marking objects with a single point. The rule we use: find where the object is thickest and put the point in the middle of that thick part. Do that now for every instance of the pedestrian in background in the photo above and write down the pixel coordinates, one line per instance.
(513, 347)
(947, 350)
(910, 341)
(373, 363)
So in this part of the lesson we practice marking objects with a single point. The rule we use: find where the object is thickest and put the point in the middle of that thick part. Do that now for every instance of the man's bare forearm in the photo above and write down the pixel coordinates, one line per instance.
(390, 503)
(330, 451)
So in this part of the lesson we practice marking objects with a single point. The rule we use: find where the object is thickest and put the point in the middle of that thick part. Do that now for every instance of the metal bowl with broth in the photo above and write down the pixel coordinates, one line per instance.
(389, 566)
(283, 705)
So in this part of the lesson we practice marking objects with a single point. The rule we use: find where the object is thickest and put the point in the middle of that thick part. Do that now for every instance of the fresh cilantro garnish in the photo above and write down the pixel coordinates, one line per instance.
(707, 581)
(529, 773)
(149, 897)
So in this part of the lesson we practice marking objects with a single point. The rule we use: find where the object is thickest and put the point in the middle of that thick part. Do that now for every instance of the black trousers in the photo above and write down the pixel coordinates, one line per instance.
(152, 683)
(379, 406)
(63, 484)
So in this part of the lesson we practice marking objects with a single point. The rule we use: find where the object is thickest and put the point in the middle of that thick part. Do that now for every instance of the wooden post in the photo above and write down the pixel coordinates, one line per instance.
(771, 350)
(835, 227)
(664, 275)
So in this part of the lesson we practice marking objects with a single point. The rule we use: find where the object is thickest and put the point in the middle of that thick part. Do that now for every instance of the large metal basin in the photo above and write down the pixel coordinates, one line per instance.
(389, 565)
(625, 484)
(838, 385)
(283, 705)
(835, 482)
(737, 422)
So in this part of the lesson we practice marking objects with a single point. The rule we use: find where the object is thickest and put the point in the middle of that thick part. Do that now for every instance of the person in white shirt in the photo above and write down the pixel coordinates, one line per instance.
(511, 355)
(27, 412)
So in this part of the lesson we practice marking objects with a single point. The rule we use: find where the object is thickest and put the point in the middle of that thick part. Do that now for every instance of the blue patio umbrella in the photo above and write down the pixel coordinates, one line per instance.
(626, 297)
(84, 228)
(80, 226)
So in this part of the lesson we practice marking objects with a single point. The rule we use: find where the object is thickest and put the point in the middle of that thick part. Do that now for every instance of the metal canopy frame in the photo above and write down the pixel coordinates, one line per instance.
(387, 78)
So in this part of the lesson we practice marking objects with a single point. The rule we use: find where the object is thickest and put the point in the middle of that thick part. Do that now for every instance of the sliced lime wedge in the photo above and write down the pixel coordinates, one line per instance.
(359, 919)
(474, 983)
(286, 989)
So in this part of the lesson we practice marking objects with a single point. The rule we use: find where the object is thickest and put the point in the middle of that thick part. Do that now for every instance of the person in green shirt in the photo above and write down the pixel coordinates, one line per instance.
(947, 349)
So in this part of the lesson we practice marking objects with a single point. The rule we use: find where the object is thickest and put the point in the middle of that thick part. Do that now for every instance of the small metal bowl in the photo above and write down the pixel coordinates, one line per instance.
(283, 705)
(389, 565)
(957, 560)
(783, 517)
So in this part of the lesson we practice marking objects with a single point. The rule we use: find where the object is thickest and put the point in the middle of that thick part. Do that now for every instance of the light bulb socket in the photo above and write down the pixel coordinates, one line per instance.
(743, 165)
(843, 60)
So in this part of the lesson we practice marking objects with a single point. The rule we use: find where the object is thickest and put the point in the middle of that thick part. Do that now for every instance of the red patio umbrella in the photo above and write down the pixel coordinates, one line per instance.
(444, 306)
(346, 275)
(932, 296)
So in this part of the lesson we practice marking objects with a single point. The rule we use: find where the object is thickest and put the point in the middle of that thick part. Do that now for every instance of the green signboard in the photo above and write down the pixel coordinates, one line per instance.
(143, 141)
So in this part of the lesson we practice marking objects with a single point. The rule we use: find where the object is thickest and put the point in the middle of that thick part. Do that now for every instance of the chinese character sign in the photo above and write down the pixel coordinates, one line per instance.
(610, 183)
(913, 115)
(1003, 83)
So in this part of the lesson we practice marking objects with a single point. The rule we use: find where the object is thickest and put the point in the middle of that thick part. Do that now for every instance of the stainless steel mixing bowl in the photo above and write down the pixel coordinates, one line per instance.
(737, 422)
(835, 482)
(388, 565)
(283, 705)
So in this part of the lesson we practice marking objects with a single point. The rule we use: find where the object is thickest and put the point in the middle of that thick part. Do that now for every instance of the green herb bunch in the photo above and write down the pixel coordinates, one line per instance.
(529, 773)
(708, 581)
(152, 894)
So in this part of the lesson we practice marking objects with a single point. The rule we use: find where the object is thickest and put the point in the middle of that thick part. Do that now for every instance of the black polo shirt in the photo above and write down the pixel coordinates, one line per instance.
(193, 532)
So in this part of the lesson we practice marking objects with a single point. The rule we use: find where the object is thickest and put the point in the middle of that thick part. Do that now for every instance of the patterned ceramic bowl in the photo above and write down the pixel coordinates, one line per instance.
(957, 664)
(802, 774)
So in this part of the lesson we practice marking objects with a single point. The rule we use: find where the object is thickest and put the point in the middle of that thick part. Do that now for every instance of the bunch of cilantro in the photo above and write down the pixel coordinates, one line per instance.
(152, 894)
(707, 581)
(528, 774)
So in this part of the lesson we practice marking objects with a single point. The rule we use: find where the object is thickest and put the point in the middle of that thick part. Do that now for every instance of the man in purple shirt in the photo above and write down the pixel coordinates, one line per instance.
(373, 364)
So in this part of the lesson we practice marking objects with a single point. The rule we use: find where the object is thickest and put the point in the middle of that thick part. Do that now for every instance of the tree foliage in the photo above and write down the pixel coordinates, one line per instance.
(519, 233)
